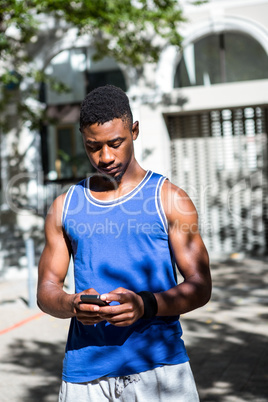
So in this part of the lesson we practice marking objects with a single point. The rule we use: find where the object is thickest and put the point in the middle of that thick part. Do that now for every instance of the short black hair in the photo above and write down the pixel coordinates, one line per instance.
(104, 104)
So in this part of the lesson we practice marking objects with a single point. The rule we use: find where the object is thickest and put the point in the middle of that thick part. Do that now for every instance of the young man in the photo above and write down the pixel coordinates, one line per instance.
(126, 229)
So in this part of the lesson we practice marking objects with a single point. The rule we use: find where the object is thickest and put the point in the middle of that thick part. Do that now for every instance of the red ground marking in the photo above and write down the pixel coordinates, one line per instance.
(20, 323)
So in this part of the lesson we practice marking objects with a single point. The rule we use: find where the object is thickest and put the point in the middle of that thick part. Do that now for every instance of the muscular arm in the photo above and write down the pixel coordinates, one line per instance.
(190, 254)
(52, 270)
(53, 267)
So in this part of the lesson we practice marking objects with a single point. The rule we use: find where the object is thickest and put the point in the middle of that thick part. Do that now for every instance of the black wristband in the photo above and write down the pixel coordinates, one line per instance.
(150, 304)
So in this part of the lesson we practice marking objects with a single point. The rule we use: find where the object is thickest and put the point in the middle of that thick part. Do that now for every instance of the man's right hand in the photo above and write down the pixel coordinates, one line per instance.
(87, 314)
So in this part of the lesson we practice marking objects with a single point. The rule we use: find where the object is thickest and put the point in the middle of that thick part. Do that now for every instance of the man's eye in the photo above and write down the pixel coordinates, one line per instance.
(116, 145)
(93, 149)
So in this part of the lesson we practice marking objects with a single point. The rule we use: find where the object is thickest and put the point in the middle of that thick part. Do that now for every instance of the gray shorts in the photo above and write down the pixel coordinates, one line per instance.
(170, 383)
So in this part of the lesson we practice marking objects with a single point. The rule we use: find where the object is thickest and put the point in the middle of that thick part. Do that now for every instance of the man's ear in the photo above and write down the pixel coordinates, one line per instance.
(135, 130)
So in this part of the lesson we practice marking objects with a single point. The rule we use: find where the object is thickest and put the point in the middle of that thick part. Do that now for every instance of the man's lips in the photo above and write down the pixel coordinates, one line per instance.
(109, 170)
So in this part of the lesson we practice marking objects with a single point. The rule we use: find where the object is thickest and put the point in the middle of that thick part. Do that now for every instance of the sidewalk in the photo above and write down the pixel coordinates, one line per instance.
(227, 340)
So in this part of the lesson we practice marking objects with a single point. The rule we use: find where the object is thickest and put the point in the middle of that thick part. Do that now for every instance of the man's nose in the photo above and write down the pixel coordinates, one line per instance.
(106, 155)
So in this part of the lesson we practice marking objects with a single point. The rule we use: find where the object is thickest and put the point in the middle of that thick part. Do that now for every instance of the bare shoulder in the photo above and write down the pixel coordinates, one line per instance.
(183, 230)
(54, 215)
(177, 204)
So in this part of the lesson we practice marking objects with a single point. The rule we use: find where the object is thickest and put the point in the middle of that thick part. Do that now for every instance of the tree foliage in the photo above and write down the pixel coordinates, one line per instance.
(131, 31)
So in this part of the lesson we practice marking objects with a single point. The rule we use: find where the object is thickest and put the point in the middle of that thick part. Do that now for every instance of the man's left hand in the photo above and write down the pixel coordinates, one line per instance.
(128, 311)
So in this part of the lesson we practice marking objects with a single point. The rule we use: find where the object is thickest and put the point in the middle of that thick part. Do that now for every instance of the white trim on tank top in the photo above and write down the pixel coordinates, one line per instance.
(119, 200)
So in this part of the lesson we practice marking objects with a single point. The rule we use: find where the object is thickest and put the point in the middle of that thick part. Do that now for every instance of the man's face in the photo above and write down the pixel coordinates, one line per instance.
(109, 146)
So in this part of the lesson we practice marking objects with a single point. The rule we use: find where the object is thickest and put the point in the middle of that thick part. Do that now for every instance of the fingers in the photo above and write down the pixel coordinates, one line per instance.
(87, 314)
(127, 312)
(129, 308)
(122, 320)
(119, 295)
(89, 320)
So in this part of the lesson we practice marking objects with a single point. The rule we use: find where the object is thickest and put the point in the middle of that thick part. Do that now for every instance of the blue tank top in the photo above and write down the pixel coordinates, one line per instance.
(123, 242)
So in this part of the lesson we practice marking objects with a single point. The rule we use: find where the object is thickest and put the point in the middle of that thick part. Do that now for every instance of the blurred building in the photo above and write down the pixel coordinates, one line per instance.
(203, 116)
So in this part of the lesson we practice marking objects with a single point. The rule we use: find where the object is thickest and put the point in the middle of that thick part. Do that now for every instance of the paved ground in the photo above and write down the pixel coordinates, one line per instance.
(227, 340)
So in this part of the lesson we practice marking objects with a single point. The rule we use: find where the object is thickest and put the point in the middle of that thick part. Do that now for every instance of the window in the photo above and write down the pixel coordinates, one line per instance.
(63, 152)
(219, 58)
(79, 73)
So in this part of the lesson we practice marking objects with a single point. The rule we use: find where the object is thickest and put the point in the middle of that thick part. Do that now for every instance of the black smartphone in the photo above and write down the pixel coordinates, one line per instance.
(93, 299)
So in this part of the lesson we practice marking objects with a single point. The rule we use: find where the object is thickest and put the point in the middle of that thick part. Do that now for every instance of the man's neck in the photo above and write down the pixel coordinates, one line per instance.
(107, 188)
